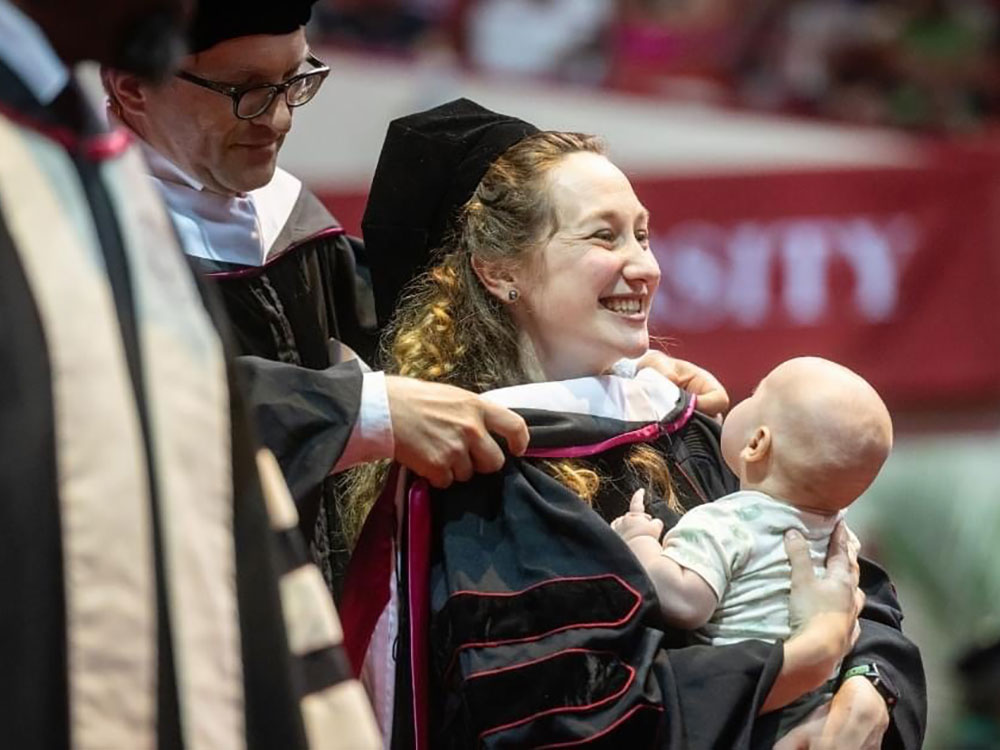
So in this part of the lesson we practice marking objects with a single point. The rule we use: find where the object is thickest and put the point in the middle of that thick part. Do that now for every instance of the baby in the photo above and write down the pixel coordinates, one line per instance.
(805, 445)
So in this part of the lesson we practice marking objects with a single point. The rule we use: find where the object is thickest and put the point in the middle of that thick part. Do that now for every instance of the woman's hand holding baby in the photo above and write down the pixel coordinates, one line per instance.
(824, 617)
(834, 595)
(857, 717)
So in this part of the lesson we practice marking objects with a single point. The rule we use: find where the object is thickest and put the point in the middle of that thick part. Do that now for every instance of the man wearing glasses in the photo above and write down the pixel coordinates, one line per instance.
(285, 268)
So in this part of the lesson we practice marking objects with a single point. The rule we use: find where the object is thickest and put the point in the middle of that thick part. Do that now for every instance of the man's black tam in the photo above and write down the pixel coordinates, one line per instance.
(219, 20)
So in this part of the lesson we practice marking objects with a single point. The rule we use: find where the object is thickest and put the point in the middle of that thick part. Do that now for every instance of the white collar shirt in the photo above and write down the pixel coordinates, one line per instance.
(240, 229)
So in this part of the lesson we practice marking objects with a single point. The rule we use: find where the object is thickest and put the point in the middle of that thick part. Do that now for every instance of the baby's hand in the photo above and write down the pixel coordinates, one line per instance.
(637, 522)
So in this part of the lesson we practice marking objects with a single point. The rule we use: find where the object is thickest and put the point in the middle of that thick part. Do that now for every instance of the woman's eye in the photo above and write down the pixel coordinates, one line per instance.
(642, 236)
(604, 235)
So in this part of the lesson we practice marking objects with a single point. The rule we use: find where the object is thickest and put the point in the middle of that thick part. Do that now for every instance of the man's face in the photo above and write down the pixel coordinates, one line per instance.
(195, 127)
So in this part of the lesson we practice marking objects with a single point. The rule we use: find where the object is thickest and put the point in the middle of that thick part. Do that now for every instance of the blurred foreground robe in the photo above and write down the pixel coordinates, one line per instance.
(156, 591)
(505, 612)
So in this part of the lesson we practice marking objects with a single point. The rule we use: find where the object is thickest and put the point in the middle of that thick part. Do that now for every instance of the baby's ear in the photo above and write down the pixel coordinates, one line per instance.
(758, 446)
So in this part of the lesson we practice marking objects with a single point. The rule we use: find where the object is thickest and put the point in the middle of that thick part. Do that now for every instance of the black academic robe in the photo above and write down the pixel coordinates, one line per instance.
(156, 591)
(513, 616)
(310, 299)
(311, 296)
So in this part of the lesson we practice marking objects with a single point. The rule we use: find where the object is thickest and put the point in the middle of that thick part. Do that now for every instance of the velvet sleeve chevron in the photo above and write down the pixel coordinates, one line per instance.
(518, 635)
(566, 647)
(335, 709)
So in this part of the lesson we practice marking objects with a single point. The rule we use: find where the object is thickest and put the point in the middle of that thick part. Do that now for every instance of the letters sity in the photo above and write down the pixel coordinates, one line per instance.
(756, 273)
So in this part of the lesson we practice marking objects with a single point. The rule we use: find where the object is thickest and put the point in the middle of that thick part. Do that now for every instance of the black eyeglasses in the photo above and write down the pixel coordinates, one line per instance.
(253, 101)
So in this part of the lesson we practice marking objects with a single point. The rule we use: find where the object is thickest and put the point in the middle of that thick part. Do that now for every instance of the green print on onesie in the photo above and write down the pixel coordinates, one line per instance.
(690, 535)
(741, 535)
(689, 552)
(749, 513)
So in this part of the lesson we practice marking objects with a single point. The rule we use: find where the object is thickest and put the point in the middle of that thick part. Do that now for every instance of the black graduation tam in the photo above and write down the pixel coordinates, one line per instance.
(430, 165)
(218, 20)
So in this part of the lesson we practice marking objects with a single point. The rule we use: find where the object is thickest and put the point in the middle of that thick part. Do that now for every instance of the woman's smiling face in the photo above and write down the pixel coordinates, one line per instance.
(585, 292)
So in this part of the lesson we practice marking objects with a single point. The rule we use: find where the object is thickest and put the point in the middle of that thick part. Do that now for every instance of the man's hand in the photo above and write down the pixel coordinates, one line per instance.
(712, 397)
(442, 432)
(855, 719)
(637, 522)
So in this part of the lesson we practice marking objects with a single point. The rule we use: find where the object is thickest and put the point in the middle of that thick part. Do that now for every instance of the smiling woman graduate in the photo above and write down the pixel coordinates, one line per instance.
(504, 611)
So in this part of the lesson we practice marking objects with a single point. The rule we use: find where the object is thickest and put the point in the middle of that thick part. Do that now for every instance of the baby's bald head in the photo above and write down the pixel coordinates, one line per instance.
(817, 430)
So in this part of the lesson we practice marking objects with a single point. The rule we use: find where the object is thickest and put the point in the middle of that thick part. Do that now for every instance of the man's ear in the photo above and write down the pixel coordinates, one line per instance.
(496, 277)
(758, 447)
(126, 91)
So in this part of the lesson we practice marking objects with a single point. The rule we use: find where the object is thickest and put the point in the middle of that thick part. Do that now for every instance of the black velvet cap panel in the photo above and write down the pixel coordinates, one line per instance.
(219, 20)
(430, 165)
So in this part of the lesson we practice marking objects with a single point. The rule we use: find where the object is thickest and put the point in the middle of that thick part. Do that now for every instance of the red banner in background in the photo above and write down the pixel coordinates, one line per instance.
(894, 273)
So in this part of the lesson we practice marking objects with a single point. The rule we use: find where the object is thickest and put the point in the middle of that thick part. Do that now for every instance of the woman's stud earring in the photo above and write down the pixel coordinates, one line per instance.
(512, 295)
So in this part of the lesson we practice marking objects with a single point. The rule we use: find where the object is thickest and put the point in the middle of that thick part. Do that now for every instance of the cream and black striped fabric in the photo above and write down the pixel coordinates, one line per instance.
(314, 633)
(141, 605)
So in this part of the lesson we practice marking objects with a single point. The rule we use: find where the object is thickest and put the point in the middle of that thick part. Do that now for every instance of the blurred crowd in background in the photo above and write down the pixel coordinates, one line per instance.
(928, 65)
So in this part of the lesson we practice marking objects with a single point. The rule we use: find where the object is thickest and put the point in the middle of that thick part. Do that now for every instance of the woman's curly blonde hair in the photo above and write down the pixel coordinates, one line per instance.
(448, 328)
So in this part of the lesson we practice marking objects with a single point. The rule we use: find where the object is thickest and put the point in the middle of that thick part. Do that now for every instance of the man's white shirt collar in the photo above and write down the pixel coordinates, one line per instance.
(24, 49)
(240, 229)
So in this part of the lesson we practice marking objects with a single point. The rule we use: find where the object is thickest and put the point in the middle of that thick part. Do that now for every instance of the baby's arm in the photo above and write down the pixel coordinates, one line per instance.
(686, 600)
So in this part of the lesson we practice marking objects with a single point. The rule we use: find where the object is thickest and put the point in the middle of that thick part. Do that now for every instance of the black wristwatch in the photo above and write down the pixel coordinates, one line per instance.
(873, 674)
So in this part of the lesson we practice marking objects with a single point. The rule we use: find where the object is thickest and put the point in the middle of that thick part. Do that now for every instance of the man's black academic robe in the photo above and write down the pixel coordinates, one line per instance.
(309, 300)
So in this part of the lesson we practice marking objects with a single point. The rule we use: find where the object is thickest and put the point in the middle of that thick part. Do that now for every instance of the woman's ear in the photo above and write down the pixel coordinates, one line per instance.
(496, 277)
(758, 447)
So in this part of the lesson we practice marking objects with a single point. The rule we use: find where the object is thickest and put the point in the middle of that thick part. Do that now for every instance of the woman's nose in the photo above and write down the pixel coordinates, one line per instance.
(641, 265)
